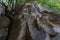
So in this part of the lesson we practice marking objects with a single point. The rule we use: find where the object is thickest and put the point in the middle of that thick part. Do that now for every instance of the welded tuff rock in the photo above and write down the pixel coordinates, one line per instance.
(32, 25)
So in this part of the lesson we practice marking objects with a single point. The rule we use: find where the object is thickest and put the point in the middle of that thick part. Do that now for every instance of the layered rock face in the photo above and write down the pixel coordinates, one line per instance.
(30, 24)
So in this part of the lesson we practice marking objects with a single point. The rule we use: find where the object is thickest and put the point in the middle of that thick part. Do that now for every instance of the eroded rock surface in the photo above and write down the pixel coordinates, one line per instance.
(29, 24)
(4, 24)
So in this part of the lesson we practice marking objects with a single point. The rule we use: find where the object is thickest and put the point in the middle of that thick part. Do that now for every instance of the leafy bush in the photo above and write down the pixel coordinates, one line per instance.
(51, 4)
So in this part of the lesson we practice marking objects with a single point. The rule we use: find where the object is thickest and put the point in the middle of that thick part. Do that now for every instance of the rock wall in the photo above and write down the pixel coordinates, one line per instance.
(29, 24)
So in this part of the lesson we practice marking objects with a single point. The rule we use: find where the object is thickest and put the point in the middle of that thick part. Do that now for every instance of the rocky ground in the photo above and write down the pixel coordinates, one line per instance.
(30, 24)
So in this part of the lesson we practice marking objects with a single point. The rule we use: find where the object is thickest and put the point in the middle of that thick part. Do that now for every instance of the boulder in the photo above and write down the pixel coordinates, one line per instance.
(4, 23)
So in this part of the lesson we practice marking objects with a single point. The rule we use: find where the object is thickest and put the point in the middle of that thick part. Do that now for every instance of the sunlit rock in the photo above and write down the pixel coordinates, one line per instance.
(56, 29)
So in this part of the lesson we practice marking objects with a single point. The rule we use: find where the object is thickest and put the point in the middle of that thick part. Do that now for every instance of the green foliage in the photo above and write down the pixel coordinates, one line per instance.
(53, 5)
(21, 1)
